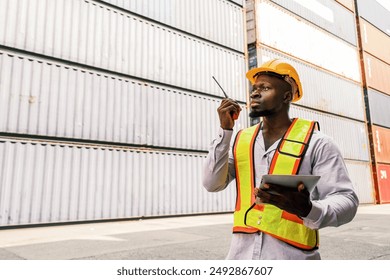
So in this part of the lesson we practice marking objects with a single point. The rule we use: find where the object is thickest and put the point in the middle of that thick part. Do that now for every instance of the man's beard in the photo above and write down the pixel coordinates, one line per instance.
(257, 114)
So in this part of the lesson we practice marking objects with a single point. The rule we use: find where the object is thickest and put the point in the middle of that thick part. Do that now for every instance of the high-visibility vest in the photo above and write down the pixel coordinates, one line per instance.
(250, 217)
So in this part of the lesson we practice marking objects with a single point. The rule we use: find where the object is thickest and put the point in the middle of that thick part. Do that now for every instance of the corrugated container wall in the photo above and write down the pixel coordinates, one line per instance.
(87, 33)
(375, 37)
(332, 54)
(349, 4)
(329, 71)
(381, 144)
(375, 13)
(379, 108)
(339, 129)
(216, 21)
(383, 174)
(361, 177)
(375, 41)
(111, 106)
(53, 99)
(377, 73)
(64, 183)
(327, 14)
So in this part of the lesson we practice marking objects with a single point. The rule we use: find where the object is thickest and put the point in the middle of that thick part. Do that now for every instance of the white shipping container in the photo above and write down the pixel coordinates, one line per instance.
(280, 29)
(361, 177)
(322, 90)
(91, 33)
(379, 107)
(238, 2)
(39, 97)
(326, 14)
(349, 4)
(51, 183)
(220, 21)
(350, 136)
(375, 13)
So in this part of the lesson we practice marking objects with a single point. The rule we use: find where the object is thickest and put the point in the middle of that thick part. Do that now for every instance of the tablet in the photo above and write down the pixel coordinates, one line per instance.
(291, 181)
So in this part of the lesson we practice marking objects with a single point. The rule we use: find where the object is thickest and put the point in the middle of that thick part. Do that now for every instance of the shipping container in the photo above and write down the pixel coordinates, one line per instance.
(374, 41)
(375, 13)
(305, 41)
(326, 14)
(322, 90)
(349, 135)
(238, 2)
(381, 143)
(349, 4)
(250, 22)
(39, 97)
(220, 21)
(379, 108)
(94, 34)
(383, 174)
(58, 182)
(377, 73)
(361, 177)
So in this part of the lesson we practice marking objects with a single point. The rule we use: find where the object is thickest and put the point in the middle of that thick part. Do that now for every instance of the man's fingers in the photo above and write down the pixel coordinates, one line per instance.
(230, 102)
(293, 200)
(230, 108)
(280, 189)
(301, 187)
(267, 197)
(276, 188)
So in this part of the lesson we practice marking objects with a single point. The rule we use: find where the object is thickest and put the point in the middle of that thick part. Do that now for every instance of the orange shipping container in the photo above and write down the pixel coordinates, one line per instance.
(383, 174)
(377, 73)
(348, 4)
(375, 41)
(381, 144)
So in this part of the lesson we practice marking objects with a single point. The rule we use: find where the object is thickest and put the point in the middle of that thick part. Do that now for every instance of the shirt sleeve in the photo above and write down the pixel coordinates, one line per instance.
(334, 200)
(218, 169)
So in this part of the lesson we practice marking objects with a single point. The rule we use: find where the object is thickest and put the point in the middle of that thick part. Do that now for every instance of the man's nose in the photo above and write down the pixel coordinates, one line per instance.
(255, 93)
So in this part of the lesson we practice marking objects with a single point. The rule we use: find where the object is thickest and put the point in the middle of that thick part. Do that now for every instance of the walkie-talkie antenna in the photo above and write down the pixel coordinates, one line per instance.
(220, 87)
(234, 115)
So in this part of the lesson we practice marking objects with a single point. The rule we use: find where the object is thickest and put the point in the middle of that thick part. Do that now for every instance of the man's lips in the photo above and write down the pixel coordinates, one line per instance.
(255, 103)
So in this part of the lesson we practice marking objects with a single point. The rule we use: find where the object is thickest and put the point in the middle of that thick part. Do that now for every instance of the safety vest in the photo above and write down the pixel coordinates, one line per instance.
(250, 217)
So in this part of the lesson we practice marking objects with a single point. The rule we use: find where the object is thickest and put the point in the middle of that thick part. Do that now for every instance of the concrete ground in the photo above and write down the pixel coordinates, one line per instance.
(184, 238)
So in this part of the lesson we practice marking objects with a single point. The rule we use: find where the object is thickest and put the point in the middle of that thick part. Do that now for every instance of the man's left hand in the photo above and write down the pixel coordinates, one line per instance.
(295, 201)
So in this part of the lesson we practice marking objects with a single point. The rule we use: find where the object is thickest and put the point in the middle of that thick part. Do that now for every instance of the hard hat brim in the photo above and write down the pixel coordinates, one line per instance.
(252, 74)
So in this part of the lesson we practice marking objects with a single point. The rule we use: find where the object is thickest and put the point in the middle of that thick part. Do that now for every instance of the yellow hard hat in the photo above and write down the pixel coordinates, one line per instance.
(282, 70)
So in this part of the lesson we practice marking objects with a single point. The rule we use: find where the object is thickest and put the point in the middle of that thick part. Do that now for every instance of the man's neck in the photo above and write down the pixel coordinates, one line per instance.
(275, 124)
(273, 129)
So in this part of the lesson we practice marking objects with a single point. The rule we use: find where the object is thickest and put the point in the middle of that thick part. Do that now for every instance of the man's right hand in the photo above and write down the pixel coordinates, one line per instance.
(226, 110)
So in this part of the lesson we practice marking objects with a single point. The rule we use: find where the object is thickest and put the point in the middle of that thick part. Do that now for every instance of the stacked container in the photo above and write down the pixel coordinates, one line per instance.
(374, 28)
(319, 39)
(108, 107)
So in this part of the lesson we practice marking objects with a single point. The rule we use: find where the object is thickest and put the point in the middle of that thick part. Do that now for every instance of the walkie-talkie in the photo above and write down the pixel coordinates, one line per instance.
(234, 115)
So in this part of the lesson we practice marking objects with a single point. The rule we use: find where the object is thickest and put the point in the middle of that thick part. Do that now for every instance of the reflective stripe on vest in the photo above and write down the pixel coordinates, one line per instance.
(243, 149)
(250, 217)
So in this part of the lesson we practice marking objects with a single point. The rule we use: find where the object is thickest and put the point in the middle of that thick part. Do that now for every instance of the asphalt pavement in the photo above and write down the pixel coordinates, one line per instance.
(203, 237)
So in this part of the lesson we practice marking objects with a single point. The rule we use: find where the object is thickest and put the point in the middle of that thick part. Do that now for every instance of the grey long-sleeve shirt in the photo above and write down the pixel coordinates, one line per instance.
(334, 199)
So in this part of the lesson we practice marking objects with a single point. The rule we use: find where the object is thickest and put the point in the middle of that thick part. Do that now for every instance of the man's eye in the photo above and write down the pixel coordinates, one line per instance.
(265, 88)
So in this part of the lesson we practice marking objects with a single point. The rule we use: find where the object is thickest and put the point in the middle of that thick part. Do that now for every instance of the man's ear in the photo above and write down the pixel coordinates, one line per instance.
(288, 96)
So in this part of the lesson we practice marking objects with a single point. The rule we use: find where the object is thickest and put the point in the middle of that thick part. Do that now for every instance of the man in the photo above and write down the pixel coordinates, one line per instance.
(275, 222)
